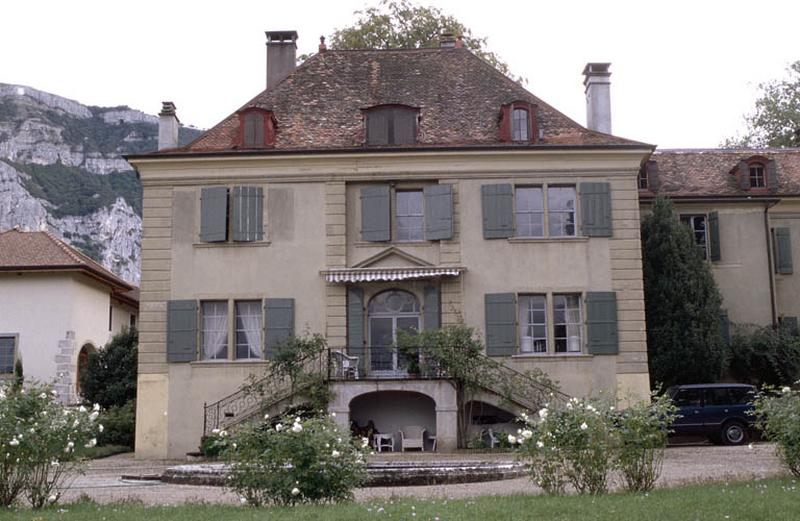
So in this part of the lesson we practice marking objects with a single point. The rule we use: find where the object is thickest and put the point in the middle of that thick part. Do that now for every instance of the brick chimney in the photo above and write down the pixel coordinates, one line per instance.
(281, 55)
(597, 80)
(168, 126)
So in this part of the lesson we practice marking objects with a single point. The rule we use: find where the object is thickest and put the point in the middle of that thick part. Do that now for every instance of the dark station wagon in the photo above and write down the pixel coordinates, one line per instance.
(718, 412)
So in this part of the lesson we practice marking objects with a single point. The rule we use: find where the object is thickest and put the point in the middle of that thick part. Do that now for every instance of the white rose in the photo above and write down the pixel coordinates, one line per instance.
(335, 454)
(540, 444)
(527, 433)
(786, 389)
(364, 443)
(91, 443)
(93, 416)
(96, 407)
(82, 408)
(279, 427)
(584, 426)
(512, 439)
(266, 416)
(214, 431)
(295, 491)
(100, 428)
(14, 442)
(543, 413)
(297, 427)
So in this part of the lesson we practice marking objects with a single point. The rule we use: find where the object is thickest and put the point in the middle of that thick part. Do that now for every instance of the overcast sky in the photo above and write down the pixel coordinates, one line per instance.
(684, 72)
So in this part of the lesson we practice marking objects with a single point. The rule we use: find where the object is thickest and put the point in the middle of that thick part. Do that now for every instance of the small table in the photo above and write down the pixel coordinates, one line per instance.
(384, 441)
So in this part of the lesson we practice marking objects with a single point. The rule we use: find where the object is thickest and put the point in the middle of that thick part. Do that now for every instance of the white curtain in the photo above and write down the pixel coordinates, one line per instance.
(250, 316)
(215, 330)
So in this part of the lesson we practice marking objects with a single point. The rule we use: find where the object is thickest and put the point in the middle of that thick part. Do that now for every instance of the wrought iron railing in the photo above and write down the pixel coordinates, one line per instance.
(256, 398)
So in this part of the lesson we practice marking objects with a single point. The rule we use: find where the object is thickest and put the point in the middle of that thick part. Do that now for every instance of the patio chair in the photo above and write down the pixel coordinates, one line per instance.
(412, 437)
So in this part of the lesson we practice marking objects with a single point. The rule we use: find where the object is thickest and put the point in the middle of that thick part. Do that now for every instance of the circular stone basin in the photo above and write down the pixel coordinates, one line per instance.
(379, 474)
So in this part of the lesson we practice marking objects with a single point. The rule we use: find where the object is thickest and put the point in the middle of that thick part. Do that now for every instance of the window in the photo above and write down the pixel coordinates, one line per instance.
(7, 354)
(214, 332)
(697, 223)
(561, 210)
(567, 323)
(533, 323)
(133, 321)
(520, 125)
(689, 398)
(391, 125)
(529, 212)
(757, 179)
(410, 216)
(232, 214)
(248, 329)
(643, 184)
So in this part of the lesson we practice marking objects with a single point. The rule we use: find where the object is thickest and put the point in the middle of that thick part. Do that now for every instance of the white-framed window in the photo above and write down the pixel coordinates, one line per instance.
(699, 226)
(561, 210)
(520, 125)
(248, 329)
(567, 323)
(533, 323)
(529, 211)
(410, 215)
(214, 329)
(8, 352)
(757, 179)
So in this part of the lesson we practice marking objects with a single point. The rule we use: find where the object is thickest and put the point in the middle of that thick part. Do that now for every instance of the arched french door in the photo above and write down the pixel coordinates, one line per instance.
(390, 312)
(83, 363)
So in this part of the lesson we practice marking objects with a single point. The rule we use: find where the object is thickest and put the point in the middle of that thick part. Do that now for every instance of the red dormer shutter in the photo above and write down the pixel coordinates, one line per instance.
(744, 175)
(506, 113)
(256, 128)
(505, 122)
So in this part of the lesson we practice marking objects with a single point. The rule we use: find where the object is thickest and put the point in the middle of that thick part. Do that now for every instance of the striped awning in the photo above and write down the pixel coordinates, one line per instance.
(345, 275)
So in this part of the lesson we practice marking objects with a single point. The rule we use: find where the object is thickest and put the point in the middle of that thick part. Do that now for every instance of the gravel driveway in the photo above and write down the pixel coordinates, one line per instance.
(682, 465)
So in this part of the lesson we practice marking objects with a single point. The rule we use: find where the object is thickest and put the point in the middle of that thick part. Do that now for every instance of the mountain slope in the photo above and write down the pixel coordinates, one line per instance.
(61, 169)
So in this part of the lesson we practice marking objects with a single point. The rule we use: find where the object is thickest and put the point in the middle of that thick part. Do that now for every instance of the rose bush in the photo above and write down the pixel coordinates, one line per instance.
(293, 460)
(777, 413)
(41, 443)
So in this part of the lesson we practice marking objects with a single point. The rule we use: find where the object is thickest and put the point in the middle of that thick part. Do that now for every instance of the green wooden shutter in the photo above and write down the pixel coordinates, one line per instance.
(214, 214)
(181, 331)
(501, 324)
(378, 127)
(431, 312)
(714, 249)
(376, 219)
(355, 321)
(783, 251)
(278, 323)
(772, 175)
(404, 127)
(601, 320)
(789, 324)
(725, 326)
(497, 204)
(438, 212)
(744, 175)
(596, 209)
(247, 215)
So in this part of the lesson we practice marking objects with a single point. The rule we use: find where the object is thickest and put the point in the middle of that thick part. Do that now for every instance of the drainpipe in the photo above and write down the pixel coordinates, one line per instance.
(767, 234)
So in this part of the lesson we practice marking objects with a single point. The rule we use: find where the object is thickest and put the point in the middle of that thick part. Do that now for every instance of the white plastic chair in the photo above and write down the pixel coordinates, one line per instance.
(412, 437)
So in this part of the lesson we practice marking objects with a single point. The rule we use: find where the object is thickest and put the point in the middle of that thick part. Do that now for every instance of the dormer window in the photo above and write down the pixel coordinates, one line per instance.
(757, 179)
(256, 128)
(643, 181)
(520, 125)
(391, 125)
(518, 122)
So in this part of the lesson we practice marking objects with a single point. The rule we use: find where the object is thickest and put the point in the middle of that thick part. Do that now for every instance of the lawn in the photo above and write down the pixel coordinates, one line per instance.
(773, 500)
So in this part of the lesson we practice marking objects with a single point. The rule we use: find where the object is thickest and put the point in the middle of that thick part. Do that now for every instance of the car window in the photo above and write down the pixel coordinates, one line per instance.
(719, 397)
(741, 395)
(688, 398)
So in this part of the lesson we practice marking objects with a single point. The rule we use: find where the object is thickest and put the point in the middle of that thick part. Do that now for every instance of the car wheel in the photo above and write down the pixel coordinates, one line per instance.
(734, 433)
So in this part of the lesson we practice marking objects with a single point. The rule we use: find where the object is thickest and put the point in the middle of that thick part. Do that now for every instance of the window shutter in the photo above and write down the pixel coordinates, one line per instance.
(438, 212)
(772, 175)
(355, 320)
(596, 209)
(248, 213)
(378, 127)
(725, 326)
(501, 324)
(505, 123)
(181, 331)
(214, 214)
(497, 203)
(714, 249)
(601, 314)
(376, 220)
(789, 324)
(254, 129)
(744, 175)
(431, 312)
(404, 123)
(783, 251)
(278, 323)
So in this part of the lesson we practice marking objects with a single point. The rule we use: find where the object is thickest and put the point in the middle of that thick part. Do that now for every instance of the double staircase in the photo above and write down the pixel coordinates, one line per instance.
(271, 395)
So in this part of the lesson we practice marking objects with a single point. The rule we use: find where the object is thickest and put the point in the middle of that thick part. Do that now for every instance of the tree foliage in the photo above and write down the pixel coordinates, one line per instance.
(110, 376)
(763, 355)
(775, 120)
(396, 24)
(684, 341)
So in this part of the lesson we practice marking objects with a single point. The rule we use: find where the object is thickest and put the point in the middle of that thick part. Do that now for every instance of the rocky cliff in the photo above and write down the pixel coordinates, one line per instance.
(61, 168)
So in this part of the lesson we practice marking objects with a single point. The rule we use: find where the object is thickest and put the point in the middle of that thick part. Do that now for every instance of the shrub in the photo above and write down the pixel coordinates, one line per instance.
(571, 445)
(778, 417)
(119, 424)
(763, 355)
(295, 460)
(641, 432)
(43, 443)
(110, 376)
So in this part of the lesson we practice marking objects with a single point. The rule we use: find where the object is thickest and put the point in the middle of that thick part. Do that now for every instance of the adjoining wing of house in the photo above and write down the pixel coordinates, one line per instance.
(368, 192)
(56, 306)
